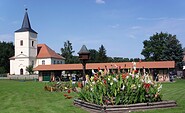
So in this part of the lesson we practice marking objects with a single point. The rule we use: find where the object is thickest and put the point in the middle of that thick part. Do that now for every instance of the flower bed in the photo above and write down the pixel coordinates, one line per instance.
(118, 92)
(120, 89)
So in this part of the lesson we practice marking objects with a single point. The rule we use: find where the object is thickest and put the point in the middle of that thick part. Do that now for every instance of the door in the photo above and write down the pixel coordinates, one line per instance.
(21, 71)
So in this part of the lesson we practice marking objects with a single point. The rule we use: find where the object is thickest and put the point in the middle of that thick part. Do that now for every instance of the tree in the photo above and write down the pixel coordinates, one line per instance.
(6, 51)
(29, 69)
(93, 56)
(102, 57)
(163, 47)
(67, 52)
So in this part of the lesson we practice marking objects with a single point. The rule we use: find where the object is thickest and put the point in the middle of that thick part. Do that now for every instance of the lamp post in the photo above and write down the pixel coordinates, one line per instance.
(84, 56)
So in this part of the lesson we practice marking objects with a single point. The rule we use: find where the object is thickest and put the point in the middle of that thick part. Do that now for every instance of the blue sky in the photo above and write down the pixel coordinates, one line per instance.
(120, 25)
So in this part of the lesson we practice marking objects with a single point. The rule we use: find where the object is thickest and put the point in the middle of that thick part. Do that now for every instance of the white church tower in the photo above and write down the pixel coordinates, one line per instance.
(25, 48)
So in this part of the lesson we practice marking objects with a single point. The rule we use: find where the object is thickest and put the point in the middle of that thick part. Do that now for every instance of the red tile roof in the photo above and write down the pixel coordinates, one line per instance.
(155, 64)
(45, 52)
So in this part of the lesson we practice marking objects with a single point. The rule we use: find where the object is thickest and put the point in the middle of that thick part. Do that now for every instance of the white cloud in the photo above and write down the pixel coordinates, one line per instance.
(115, 26)
(6, 37)
(100, 1)
(160, 18)
(136, 27)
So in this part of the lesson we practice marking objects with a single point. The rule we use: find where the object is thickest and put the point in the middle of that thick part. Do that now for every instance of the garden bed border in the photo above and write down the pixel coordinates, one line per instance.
(125, 108)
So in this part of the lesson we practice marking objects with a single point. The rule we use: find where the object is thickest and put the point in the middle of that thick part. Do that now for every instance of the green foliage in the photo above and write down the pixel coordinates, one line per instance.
(102, 57)
(162, 47)
(93, 56)
(6, 51)
(67, 52)
(29, 69)
(120, 89)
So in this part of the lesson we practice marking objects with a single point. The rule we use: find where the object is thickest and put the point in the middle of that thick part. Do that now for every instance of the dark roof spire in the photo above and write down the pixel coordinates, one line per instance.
(84, 50)
(26, 24)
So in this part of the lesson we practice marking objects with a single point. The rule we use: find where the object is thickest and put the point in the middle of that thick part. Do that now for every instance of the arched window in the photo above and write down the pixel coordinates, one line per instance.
(32, 43)
(43, 62)
(21, 71)
(21, 43)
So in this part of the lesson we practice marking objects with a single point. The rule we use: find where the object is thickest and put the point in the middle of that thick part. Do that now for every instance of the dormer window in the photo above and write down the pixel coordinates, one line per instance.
(21, 43)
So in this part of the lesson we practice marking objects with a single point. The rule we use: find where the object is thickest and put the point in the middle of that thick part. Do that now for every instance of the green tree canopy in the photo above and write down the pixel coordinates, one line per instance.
(29, 69)
(67, 52)
(102, 57)
(162, 47)
(6, 51)
(93, 56)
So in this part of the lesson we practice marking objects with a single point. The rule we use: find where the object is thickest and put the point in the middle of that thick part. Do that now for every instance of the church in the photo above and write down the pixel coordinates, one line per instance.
(29, 52)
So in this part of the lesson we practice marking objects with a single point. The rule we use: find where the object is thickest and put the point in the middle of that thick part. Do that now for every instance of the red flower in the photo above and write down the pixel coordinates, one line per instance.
(124, 76)
(98, 68)
(105, 82)
(136, 71)
(69, 91)
(147, 85)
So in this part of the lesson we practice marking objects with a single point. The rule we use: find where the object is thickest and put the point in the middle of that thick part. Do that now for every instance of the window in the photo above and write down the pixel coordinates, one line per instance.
(21, 43)
(32, 43)
(58, 62)
(21, 71)
(54, 62)
(32, 63)
(61, 62)
(43, 62)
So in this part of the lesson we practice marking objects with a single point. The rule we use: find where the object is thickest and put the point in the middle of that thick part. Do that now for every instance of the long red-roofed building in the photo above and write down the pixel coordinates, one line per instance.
(162, 68)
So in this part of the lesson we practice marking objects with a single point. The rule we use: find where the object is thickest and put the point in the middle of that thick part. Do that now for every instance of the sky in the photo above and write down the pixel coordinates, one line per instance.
(120, 26)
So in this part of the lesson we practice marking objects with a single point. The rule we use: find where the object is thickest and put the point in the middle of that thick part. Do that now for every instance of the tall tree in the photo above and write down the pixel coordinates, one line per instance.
(93, 56)
(163, 46)
(67, 52)
(6, 51)
(102, 57)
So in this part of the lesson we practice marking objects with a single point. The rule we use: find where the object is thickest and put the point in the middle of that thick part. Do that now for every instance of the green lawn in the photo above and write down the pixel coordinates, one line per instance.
(30, 97)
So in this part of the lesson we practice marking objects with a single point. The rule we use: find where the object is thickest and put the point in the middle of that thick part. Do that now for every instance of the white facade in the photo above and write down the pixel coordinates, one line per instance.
(49, 61)
(25, 52)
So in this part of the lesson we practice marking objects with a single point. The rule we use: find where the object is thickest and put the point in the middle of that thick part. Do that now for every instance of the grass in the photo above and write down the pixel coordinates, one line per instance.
(30, 97)
(172, 91)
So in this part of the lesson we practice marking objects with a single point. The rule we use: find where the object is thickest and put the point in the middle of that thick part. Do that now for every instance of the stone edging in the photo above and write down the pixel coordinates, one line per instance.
(125, 108)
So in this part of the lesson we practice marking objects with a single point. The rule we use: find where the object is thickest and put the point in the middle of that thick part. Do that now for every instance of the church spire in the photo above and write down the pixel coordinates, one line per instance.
(26, 24)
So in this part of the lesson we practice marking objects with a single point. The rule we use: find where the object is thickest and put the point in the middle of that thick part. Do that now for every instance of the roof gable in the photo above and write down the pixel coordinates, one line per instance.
(45, 52)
